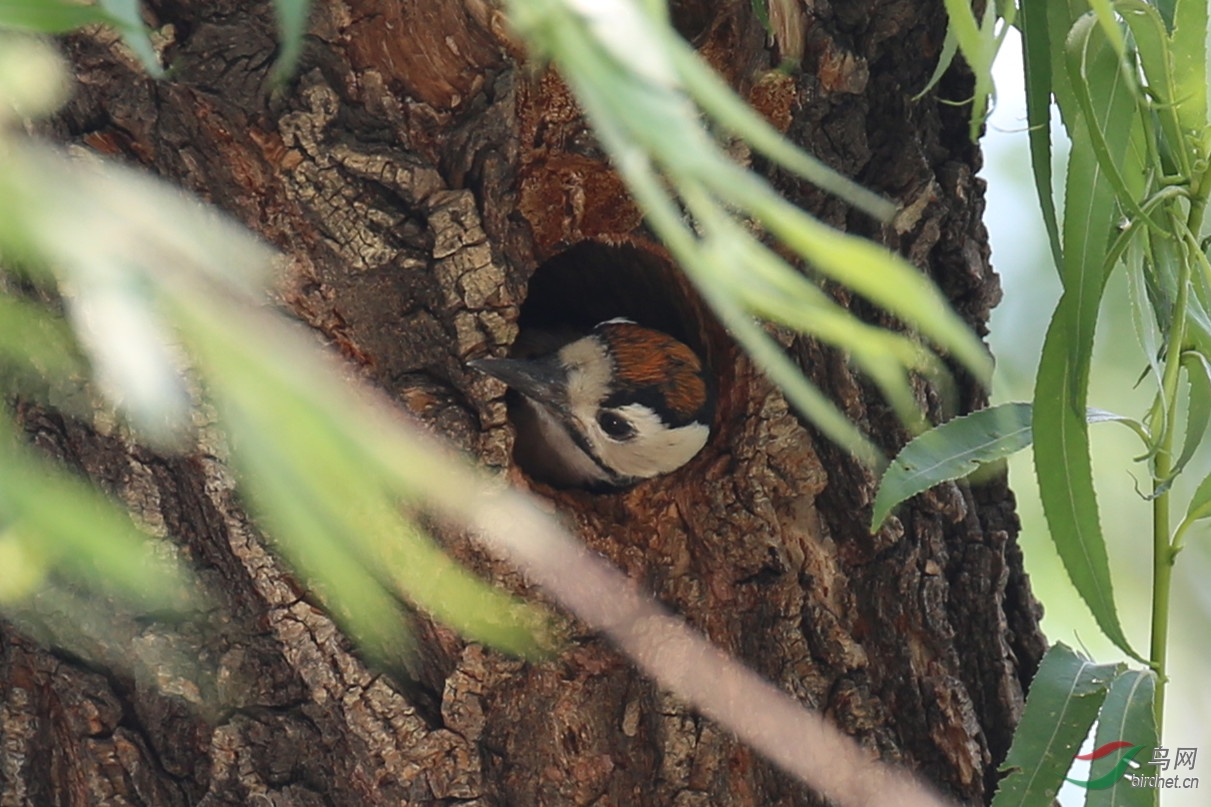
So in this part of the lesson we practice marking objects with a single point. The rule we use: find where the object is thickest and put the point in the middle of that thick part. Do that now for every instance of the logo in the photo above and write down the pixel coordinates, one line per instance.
(1160, 758)
(1112, 776)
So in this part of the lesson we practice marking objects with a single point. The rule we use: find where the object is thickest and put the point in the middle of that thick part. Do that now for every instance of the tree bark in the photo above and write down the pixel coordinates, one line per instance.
(435, 193)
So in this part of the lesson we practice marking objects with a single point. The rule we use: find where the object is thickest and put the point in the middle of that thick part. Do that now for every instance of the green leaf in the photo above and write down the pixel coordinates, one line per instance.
(1152, 46)
(1128, 715)
(950, 451)
(1104, 12)
(1143, 318)
(760, 282)
(1200, 502)
(739, 119)
(49, 16)
(1077, 49)
(1060, 16)
(1198, 416)
(1189, 45)
(1198, 508)
(885, 279)
(125, 15)
(1061, 706)
(950, 46)
(979, 43)
(960, 446)
(292, 18)
(1061, 436)
(1036, 60)
(761, 12)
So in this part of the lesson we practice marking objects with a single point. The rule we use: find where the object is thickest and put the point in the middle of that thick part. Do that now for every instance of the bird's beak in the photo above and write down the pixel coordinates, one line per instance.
(542, 380)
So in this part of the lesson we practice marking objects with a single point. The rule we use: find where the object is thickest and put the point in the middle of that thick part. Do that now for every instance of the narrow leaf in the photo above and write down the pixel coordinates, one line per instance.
(950, 451)
(1062, 704)
(1152, 47)
(1077, 49)
(1198, 415)
(960, 446)
(739, 119)
(33, 337)
(950, 46)
(308, 446)
(1060, 16)
(1036, 59)
(1142, 315)
(1128, 715)
(1198, 508)
(1061, 435)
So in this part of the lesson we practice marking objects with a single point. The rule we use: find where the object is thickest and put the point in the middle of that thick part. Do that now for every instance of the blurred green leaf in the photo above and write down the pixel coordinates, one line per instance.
(50, 16)
(761, 12)
(127, 18)
(339, 517)
(25, 567)
(110, 230)
(34, 338)
(1061, 437)
(49, 514)
(33, 80)
(1061, 706)
(292, 18)
(885, 279)
(1128, 715)
(739, 119)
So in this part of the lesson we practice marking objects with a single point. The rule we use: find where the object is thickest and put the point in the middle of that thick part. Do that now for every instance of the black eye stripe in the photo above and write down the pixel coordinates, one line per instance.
(615, 425)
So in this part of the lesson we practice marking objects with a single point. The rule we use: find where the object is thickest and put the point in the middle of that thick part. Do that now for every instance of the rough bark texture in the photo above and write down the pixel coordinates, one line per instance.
(417, 174)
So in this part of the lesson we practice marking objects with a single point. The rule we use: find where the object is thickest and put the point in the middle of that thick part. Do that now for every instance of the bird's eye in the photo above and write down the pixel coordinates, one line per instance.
(615, 425)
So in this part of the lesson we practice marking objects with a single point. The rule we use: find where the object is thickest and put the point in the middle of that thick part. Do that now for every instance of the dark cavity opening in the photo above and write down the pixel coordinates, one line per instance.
(594, 281)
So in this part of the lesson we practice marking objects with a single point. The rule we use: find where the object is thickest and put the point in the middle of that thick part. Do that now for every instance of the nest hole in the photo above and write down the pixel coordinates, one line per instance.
(594, 281)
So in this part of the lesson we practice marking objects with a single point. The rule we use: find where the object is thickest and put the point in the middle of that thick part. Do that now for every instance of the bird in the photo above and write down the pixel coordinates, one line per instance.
(622, 404)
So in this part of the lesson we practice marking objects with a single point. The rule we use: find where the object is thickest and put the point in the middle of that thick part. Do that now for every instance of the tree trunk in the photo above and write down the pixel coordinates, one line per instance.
(435, 193)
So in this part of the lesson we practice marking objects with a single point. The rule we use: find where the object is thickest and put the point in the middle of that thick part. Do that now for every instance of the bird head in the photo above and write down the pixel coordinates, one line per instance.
(621, 404)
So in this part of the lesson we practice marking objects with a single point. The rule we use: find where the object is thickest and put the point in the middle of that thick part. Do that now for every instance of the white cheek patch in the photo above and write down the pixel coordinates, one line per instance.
(653, 450)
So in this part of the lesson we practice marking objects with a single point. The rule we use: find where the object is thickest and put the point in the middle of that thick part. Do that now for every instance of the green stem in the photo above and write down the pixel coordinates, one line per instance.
(1163, 550)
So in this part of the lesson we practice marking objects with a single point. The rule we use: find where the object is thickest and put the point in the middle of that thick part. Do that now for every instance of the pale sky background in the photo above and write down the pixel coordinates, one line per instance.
(1020, 255)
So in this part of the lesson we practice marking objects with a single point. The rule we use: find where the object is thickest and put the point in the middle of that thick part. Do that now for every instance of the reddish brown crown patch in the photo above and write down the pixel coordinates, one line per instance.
(647, 358)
